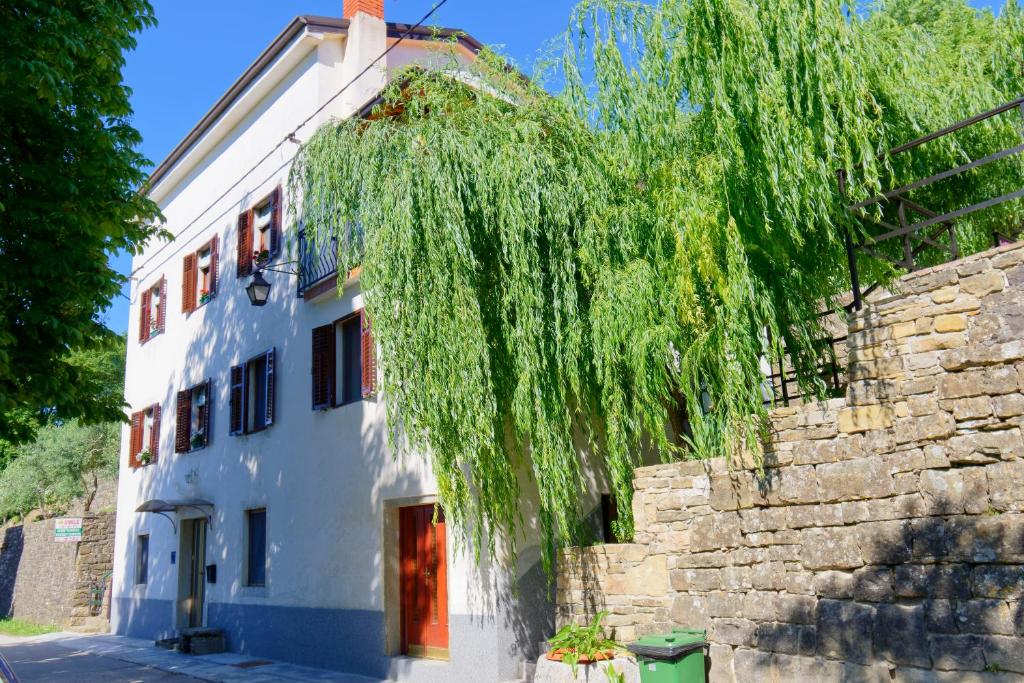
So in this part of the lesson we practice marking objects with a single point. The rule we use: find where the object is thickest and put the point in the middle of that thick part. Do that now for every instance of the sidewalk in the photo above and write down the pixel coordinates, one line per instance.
(227, 667)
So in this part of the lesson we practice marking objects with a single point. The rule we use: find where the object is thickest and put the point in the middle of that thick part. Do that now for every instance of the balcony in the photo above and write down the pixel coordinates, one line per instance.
(317, 263)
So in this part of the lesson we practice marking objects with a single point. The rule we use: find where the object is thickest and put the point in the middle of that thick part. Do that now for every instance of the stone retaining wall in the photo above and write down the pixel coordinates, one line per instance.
(57, 583)
(884, 539)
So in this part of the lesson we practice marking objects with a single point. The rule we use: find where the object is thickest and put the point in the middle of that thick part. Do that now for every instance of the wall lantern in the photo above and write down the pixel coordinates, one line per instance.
(258, 290)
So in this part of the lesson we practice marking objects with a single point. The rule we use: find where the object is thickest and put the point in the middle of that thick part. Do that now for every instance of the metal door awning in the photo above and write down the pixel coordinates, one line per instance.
(165, 508)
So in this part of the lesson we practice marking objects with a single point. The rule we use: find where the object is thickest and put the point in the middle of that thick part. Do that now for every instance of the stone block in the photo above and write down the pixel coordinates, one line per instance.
(929, 538)
(793, 639)
(734, 631)
(940, 616)
(834, 584)
(979, 448)
(649, 577)
(760, 606)
(900, 635)
(1003, 653)
(998, 581)
(715, 532)
(885, 542)
(830, 548)
(938, 342)
(796, 609)
(720, 664)
(691, 611)
(854, 480)
(984, 616)
(768, 576)
(1006, 486)
(932, 581)
(973, 408)
(941, 425)
(725, 604)
(957, 652)
(695, 579)
(1010, 405)
(862, 418)
(998, 538)
(951, 322)
(990, 381)
(845, 630)
(943, 491)
(872, 584)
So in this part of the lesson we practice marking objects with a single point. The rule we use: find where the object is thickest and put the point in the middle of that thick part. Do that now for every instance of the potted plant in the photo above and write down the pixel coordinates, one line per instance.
(145, 457)
(198, 440)
(575, 644)
(261, 257)
(154, 328)
(205, 295)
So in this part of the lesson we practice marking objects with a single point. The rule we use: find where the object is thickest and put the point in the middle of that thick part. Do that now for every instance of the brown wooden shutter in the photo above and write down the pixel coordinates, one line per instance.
(154, 437)
(275, 220)
(147, 297)
(188, 284)
(183, 422)
(270, 388)
(369, 356)
(135, 442)
(214, 264)
(207, 412)
(161, 312)
(245, 243)
(324, 370)
(237, 398)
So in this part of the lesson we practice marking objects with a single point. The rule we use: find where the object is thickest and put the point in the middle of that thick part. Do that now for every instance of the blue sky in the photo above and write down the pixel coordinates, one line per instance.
(199, 48)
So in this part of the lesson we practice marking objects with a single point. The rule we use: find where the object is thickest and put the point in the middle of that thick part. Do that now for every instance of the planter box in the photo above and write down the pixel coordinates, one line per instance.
(558, 672)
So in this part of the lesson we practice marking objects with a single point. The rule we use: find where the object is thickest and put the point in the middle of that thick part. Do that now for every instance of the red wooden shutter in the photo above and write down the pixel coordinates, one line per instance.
(244, 243)
(237, 398)
(154, 436)
(275, 220)
(369, 356)
(135, 442)
(214, 262)
(270, 388)
(183, 422)
(161, 311)
(188, 284)
(324, 370)
(207, 412)
(147, 297)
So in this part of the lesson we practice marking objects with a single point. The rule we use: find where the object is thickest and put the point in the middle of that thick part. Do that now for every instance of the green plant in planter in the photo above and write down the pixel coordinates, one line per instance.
(575, 644)
(145, 457)
(198, 440)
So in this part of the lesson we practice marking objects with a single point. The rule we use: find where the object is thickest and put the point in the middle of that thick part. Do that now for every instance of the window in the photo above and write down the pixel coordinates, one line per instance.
(192, 424)
(259, 233)
(256, 545)
(152, 311)
(144, 445)
(344, 362)
(252, 394)
(609, 515)
(142, 559)
(199, 276)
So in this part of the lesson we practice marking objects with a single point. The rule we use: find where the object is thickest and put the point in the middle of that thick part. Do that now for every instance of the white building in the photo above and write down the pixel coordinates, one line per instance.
(257, 493)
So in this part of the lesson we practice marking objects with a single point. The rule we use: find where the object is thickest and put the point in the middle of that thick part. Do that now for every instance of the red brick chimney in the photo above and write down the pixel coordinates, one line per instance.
(375, 8)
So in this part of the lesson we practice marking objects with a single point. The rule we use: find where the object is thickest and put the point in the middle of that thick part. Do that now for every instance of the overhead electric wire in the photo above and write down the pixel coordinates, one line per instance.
(290, 137)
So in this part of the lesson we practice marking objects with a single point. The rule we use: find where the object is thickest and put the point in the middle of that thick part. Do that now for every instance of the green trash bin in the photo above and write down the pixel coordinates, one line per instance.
(676, 657)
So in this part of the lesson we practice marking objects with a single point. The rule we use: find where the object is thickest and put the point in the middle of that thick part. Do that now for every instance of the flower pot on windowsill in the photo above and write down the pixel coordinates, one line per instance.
(144, 458)
(261, 258)
(204, 297)
(198, 441)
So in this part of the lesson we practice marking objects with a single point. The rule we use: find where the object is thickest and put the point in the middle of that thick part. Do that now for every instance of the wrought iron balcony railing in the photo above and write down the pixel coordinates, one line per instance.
(317, 262)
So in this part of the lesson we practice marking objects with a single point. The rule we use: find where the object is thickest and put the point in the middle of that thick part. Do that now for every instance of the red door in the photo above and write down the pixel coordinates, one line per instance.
(424, 582)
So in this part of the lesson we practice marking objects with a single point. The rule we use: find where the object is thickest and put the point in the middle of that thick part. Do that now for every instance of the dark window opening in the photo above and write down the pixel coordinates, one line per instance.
(256, 566)
(609, 515)
(350, 360)
(142, 559)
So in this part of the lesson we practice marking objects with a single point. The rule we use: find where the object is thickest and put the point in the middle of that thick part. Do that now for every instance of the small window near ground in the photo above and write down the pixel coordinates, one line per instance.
(256, 564)
(609, 515)
(142, 559)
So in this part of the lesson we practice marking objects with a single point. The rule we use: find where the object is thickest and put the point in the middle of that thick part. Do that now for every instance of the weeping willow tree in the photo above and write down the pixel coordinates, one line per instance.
(553, 280)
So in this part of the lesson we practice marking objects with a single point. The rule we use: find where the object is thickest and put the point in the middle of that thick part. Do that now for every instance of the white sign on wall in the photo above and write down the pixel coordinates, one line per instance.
(67, 530)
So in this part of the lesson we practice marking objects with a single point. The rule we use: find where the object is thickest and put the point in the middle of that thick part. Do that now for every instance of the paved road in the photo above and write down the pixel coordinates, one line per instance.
(46, 662)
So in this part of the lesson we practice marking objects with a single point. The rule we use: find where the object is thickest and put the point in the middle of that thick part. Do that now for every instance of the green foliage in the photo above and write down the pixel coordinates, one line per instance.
(582, 642)
(69, 176)
(64, 463)
(20, 627)
(549, 276)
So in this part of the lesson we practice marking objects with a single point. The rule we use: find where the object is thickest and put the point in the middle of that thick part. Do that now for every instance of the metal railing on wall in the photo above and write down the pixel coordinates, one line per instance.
(317, 262)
